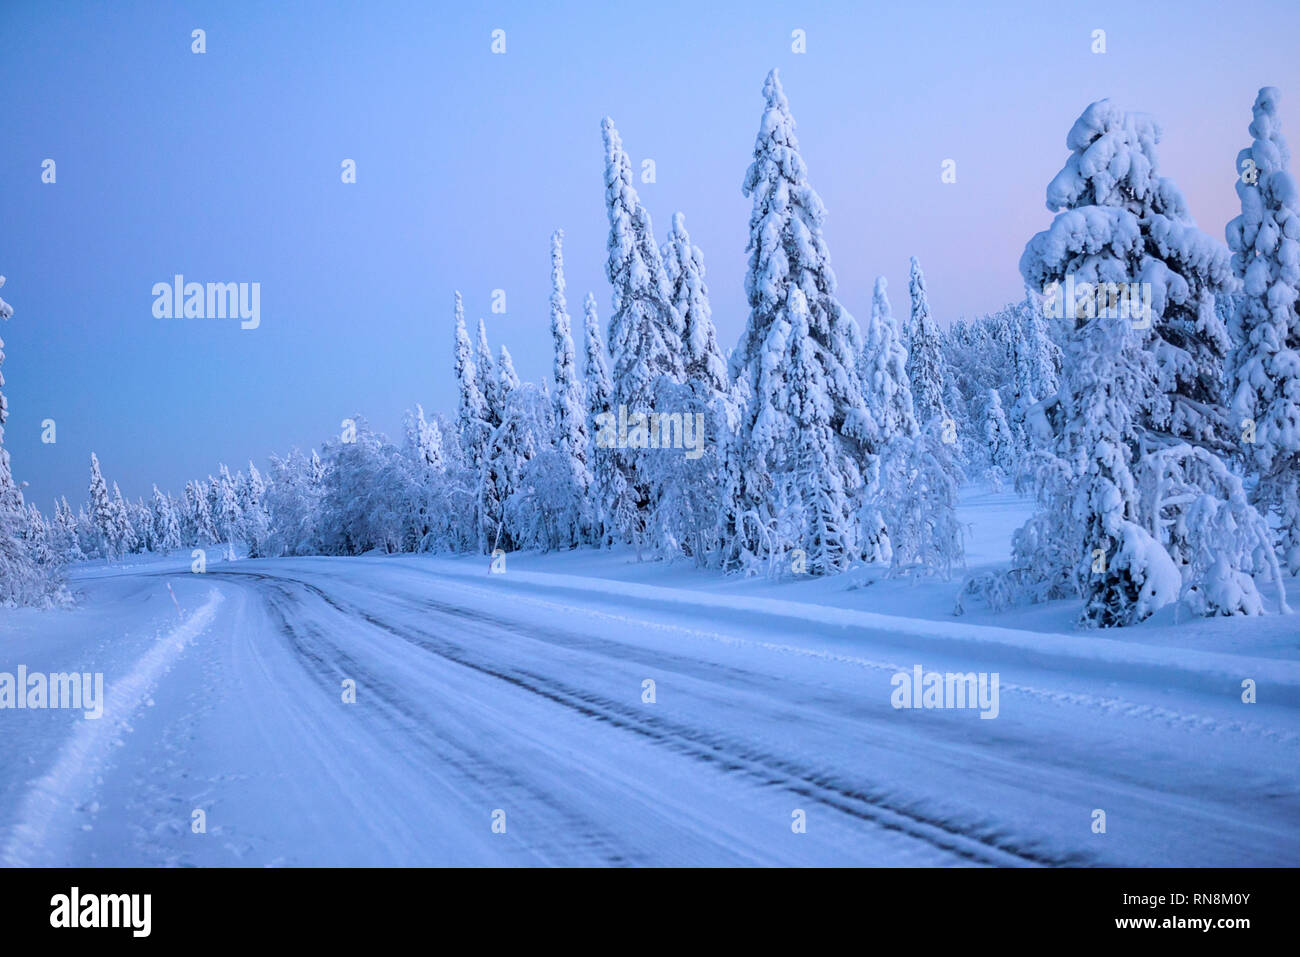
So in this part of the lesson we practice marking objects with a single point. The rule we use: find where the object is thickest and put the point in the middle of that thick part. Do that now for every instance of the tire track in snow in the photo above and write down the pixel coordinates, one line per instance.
(474, 767)
(985, 845)
(36, 839)
(1113, 705)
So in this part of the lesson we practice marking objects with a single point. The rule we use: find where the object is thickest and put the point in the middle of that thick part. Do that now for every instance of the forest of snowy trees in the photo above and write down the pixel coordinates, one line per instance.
(1161, 444)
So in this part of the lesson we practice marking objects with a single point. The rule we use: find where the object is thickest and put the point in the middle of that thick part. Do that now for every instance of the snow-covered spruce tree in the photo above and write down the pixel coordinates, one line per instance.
(684, 265)
(889, 405)
(1037, 364)
(185, 516)
(23, 581)
(40, 544)
(489, 382)
(999, 441)
(507, 378)
(608, 485)
(254, 521)
(87, 534)
(473, 419)
(166, 529)
(525, 430)
(925, 365)
(424, 439)
(787, 250)
(66, 534)
(198, 510)
(687, 484)
(1128, 386)
(227, 515)
(570, 522)
(142, 526)
(685, 473)
(123, 526)
(645, 329)
(1264, 381)
(916, 499)
(102, 513)
(1114, 166)
(1090, 518)
(884, 372)
(500, 474)
(808, 477)
(978, 356)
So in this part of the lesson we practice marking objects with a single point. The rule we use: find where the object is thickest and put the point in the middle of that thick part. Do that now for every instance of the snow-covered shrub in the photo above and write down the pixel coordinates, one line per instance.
(917, 500)
(1198, 508)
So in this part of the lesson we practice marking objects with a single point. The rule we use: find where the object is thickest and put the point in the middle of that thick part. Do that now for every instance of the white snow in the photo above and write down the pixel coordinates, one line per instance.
(523, 691)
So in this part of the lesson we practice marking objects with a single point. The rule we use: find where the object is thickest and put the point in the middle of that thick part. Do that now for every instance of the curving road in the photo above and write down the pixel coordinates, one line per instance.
(485, 699)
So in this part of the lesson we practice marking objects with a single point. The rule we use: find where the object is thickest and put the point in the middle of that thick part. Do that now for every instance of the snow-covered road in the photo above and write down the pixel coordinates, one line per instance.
(519, 699)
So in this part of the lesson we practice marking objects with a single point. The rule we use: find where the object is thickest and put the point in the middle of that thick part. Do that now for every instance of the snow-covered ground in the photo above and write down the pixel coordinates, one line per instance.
(522, 693)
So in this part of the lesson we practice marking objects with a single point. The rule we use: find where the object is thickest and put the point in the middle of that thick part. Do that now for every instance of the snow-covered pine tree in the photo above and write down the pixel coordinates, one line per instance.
(1126, 388)
(87, 534)
(998, 440)
(22, 580)
(1264, 382)
(916, 500)
(504, 455)
(39, 542)
(489, 382)
(506, 523)
(102, 513)
(1114, 166)
(1090, 516)
(608, 484)
(571, 522)
(1037, 362)
(198, 515)
(787, 250)
(684, 265)
(424, 439)
(507, 377)
(66, 533)
(166, 529)
(473, 420)
(123, 526)
(808, 475)
(884, 371)
(889, 405)
(227, 514)
(142, 526)
(254, 521)
(645, 330)
(686, 497)
(925, 365)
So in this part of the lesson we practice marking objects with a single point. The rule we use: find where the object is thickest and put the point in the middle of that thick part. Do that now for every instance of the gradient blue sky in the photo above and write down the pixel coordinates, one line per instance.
(225, 167)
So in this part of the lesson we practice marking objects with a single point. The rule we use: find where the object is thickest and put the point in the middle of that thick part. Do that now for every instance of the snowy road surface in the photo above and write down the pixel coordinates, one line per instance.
(523, 693)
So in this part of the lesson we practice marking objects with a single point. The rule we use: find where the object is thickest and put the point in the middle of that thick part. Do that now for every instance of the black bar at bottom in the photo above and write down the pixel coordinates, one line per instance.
(335, 907)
